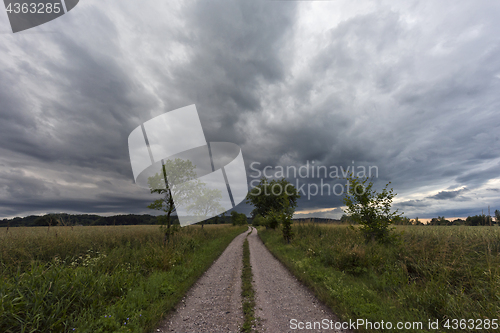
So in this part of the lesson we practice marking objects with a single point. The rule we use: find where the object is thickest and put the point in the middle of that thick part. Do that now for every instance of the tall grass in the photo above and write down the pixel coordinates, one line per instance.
(432, 273)
(100, 279)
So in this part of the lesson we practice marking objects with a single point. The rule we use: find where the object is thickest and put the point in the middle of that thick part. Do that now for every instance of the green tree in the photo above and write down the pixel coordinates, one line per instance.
(285, 216)
(179, 173)
(476, 220)
(276, 201)
(417, 222)
(345, 219)
(272, 220)
(276, 195)
(206, 202)
(258, 220)
(238, 219)
(458, 222)
(497, 216)
(370, 209)
(401, 220)
(440, 220)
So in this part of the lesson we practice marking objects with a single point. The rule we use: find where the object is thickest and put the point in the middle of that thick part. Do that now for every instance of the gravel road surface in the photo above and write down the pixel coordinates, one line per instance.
(214, 303)
(280, 297)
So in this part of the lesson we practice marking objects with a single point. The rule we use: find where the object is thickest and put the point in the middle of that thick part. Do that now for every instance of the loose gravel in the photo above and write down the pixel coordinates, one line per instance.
(280, 297)
(214, 303)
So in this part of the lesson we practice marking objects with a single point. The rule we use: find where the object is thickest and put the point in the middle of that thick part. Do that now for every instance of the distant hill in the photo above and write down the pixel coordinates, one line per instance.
(90, 220)
(77, 219)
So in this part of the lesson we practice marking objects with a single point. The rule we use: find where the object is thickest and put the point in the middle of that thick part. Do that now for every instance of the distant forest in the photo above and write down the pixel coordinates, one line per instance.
(476, 220)
(64, 219)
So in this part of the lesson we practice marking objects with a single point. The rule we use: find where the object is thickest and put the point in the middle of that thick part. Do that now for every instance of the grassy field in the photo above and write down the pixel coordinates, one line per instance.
(100, 279)
(434, 273)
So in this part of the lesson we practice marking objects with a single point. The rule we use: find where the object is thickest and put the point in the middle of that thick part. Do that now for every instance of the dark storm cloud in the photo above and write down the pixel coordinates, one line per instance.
(72, 100)
(421, 124)
(99, 206)
(20, 187)
(405, 88)
(480, 177)
(236, 49)
(412, 203)
(85, 104)
(445, 195)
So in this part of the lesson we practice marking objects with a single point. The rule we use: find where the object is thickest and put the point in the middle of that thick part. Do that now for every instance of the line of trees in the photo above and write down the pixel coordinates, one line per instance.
(55, 219)
(64, 219)
(476, 220)
(238, 218)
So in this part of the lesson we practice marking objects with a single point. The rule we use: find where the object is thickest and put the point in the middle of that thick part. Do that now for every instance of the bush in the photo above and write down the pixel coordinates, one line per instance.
(272, 220)
(238, 219)
(258, 220)
(433, 273)
(370, 209)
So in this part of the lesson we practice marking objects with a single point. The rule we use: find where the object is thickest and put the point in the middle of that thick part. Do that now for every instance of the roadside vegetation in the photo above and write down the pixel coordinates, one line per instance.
(432, 273)
(374, 271)
(100, 279)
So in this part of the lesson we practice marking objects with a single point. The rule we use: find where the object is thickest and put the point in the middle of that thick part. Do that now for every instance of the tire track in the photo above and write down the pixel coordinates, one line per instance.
(213, 304)
(280, 297)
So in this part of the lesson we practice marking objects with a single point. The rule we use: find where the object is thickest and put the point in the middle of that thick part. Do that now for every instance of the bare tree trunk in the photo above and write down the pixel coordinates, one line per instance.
(166, 238)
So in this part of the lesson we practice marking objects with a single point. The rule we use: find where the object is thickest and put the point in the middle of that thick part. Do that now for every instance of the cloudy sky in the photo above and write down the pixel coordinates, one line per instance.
(410, 87)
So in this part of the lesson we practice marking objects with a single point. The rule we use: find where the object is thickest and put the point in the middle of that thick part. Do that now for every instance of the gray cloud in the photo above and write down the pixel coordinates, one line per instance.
(407, 88)
(445, 195)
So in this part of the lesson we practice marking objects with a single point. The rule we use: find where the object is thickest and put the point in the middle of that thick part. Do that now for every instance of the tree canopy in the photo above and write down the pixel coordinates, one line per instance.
(175, 180)
(370, 209)
(275, 201)
(275, 195)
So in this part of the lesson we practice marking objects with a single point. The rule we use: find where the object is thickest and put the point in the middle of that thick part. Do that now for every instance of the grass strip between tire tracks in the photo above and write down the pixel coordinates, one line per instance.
(247, 292)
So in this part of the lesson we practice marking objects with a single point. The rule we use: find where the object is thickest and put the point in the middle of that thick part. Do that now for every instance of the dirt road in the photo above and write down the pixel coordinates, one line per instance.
(280, 297)
(214, 302)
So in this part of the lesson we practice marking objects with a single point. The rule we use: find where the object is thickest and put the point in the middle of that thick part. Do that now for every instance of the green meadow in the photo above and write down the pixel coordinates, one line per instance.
(100, 278)
(431, 273)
